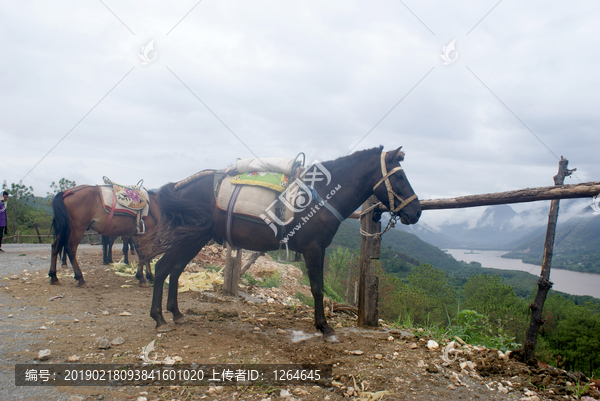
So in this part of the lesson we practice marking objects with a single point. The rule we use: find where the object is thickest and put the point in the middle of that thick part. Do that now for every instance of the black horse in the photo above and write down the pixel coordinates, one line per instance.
(107, 244)
(190, 219)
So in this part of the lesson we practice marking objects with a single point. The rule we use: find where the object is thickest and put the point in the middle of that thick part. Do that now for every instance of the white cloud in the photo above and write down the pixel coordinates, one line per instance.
(314, 77)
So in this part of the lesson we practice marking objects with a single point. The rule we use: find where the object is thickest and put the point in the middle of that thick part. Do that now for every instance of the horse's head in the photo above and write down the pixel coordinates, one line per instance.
(393, 189)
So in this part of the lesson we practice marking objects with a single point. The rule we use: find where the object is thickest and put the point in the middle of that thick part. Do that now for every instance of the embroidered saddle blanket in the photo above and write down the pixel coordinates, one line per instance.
(133, 200)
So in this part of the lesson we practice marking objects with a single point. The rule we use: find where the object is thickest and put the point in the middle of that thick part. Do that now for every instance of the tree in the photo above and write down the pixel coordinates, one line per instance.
(62, 186)
(19, 203)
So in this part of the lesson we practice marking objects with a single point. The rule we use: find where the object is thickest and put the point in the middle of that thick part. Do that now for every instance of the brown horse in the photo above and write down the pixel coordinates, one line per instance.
(81, 208)
(190, 219)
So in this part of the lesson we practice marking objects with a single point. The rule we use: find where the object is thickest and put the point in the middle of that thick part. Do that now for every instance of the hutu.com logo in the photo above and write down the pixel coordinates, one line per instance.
(596, 204)
(297, 197)
(446, 55)
(145, 56)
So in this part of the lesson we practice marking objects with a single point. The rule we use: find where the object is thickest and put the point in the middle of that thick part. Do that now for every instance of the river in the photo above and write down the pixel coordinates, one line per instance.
(568, 281)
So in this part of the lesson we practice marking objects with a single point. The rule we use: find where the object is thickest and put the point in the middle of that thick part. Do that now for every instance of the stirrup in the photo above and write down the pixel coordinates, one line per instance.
(143, 231)
(287, 252)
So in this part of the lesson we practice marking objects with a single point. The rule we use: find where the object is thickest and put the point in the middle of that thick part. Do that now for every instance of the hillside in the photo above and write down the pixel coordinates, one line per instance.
(401, 251)
(577, 244)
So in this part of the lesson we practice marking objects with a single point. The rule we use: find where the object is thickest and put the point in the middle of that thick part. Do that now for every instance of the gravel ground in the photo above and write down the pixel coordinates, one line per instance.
(13, 340)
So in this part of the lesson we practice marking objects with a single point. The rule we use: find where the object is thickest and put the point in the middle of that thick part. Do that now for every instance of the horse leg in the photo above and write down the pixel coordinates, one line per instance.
(64, 259)
(72, 253)
(105, 243)
(53, 259)
(140, 271)
(125, 249)
(314, 264)
(162, 270)
(185, 258)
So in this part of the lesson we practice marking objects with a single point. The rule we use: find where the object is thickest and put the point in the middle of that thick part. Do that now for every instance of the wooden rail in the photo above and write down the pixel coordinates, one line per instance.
(585, 190)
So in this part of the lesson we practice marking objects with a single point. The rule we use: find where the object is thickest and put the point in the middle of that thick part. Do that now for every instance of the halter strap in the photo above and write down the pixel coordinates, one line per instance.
(391, 194)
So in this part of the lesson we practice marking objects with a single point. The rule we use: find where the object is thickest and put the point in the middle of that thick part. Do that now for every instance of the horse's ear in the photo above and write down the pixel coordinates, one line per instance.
(395, 155)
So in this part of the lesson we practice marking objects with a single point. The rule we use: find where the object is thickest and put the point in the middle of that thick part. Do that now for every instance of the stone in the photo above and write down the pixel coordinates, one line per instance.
(402, 334)
(124, 314)
(378, 356)
(431, 344)
(433, 369)
(103, 343)
(44, 355)
(280, 331)
(118, 341)
(412, 345)
(73, 358)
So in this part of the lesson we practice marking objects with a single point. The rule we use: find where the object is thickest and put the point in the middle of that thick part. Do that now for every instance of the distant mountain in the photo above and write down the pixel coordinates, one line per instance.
(576, 245)
(401, 251)
(498, 226)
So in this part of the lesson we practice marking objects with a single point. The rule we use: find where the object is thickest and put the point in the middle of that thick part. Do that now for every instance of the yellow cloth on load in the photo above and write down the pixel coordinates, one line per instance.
(268, 179)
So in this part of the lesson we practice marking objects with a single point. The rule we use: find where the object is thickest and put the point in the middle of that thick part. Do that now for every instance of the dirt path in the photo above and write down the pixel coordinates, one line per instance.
(265, 330)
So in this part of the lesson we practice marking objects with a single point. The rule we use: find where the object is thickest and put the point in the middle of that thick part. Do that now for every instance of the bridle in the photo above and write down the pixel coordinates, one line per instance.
(391, 195)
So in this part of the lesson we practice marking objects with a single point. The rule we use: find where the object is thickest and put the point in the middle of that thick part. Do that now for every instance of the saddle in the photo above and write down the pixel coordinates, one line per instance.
(126, 201)
(259, 190)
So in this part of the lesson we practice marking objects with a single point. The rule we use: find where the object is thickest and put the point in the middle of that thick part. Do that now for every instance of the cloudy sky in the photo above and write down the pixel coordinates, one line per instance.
(232, 79)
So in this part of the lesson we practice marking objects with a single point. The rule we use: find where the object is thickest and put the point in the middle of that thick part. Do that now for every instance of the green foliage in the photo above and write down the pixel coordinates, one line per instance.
(249, 279)
(475, 328)
(340, 270)
(483, 306)
(28, 215)
(572, 334)
(578, 389)
(329, 292)
(305, 299)
(271, 280)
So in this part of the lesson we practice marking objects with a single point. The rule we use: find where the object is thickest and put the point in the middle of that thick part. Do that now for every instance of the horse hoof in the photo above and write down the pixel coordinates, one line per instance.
(55, 282)
(164, 328)
(64, 266)
(81, 285)
(332, 339)
(144, 285)
(179, 320)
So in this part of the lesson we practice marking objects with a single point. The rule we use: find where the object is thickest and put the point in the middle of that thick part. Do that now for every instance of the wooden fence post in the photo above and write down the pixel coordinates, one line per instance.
(231, 272)
(370, 247)
(544, 283)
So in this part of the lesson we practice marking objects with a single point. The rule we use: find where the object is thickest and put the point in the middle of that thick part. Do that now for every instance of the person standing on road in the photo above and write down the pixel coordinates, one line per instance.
(3, 220)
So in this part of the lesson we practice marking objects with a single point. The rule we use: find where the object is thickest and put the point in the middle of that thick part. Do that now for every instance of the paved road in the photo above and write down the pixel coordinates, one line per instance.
(14, 339)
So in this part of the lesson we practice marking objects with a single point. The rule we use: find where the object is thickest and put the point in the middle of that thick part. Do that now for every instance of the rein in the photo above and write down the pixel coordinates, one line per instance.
(391, 195)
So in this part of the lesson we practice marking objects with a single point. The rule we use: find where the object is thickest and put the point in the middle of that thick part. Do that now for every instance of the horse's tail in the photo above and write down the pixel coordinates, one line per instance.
(184, 218)
(60, 222)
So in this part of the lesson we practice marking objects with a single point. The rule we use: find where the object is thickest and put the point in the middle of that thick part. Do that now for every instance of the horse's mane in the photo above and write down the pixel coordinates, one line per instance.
(356, 157)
